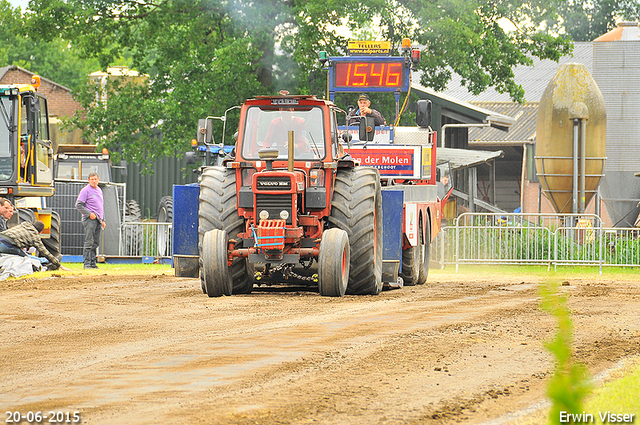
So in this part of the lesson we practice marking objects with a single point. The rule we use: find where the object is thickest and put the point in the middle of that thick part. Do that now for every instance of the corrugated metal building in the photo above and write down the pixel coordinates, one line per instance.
(515, 172)
(148, 185)
(616, 69)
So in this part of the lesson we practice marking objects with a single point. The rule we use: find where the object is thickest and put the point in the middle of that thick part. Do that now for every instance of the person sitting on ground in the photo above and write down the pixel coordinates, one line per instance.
(24, 236)
(364, 110)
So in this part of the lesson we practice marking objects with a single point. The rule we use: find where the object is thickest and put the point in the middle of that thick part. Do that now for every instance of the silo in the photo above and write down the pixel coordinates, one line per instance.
(616, 69)
(570, 138)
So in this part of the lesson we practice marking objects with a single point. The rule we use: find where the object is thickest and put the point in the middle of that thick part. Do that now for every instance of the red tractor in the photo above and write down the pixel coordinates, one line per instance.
(293, 206)
(290, 197)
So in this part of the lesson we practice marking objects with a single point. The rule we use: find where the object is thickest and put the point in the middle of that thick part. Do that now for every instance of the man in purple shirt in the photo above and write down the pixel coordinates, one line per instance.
(90, 203)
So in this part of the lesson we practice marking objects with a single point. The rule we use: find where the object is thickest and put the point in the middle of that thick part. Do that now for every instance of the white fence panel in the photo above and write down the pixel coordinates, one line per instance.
(620, 247)
(568, 239)
(145, 239)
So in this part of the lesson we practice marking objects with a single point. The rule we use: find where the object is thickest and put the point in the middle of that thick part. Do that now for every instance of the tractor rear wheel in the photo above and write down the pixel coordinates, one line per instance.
(426, 254)
(218, 211)
(356, 208)
(217, 276)
(25, 214)
(333, 263)
(52, 243)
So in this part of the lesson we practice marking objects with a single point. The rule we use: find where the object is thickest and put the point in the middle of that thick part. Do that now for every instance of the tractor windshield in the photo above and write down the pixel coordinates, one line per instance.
(79, 169)
(270, 127)
(7, 136)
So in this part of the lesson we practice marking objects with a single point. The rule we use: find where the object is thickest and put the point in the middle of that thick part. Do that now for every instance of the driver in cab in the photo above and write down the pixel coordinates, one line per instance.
(278, 132)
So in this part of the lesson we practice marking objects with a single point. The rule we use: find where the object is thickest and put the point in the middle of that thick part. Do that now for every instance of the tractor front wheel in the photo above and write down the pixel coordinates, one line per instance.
(217, 210)
(216, 274)
(333, 263)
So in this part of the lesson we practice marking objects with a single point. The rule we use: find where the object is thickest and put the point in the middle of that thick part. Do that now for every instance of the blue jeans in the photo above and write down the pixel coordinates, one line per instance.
(7, 247)
(92, 231)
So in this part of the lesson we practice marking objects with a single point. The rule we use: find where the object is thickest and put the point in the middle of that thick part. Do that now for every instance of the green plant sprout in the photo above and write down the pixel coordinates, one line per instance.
(569, 385)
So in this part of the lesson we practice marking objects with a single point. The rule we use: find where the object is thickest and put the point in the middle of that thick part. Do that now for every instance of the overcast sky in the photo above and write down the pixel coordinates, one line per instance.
(22, 3)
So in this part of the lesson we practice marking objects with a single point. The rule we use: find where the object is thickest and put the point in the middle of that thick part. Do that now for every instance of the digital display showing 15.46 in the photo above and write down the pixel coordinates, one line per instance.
(369, 74)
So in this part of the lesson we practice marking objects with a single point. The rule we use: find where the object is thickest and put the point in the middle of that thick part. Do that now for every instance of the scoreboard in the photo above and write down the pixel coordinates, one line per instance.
(368, 74)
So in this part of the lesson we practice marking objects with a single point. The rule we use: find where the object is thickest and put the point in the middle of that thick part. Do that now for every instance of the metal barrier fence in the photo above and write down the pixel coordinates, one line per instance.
(530, 239)
(145, 239)
(476, 238)
(617, 247)
(441, 249)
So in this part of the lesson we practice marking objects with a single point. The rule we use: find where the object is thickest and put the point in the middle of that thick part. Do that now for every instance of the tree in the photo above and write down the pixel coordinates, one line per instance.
(197, 62)
(52, 59)
(203, 56)
(467, 37)
(585, 20)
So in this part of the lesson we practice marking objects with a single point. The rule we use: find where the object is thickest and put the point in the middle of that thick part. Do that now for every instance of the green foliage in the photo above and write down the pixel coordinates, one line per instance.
(585, 20)
(466, 36)
(195, 66)
(204, 56)
(54, 59)
(568, 387)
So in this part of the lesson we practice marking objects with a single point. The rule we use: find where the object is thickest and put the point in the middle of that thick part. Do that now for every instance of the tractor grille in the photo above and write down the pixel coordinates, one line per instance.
(274, 204)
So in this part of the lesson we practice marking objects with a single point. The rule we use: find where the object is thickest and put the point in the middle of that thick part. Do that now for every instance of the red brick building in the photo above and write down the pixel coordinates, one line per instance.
(59, 98)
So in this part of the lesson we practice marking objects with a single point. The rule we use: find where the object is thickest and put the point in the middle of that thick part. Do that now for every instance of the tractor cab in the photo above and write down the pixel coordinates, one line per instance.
(75, 162)
(286, 146)
(26, 152)
(267, 127)
(267, 121)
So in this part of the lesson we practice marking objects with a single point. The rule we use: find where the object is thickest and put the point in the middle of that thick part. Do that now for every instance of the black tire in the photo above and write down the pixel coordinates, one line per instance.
(356, 208)
(411, 264)
(333, 263)
(132, 234)
(202, 285)
(52, 243)
(218, 210)
(217, 276)
(165, 215)
(132, 211)
(165, 210)
(426, 253)
(25, 214)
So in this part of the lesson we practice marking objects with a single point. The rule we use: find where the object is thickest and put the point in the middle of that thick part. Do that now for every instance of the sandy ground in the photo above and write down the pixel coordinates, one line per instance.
(154, 349)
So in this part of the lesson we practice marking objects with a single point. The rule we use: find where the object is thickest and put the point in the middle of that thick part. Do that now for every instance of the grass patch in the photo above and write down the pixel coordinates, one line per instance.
(563, 272)
(77, 269)
(618, 396)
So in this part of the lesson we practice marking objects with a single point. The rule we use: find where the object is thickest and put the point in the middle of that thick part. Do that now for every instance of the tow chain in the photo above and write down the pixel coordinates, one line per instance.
(287, 271)
(312, 278)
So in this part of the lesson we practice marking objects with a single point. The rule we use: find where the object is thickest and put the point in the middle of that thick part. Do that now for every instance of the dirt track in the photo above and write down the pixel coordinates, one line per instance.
(154, 349)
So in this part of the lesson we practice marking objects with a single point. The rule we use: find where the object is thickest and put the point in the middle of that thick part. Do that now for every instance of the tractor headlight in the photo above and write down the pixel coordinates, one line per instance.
(264, 214)
(284, 214)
